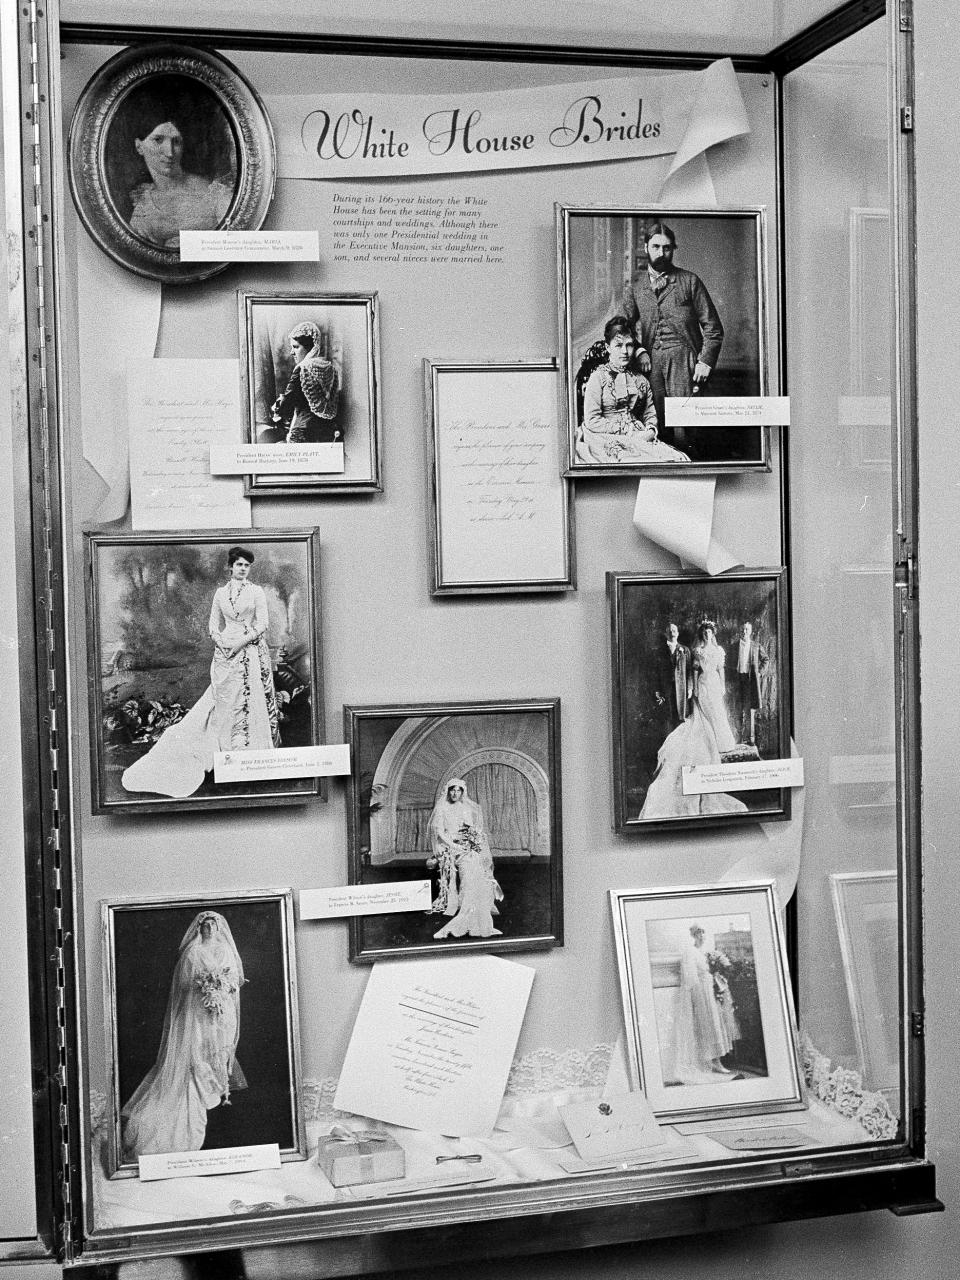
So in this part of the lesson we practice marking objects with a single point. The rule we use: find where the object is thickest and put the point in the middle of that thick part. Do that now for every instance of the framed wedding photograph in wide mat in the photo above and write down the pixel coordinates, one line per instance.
(310, 364)
(501, 511)
(659, 303)
(700, 678)
(867, 911)
(168, 138)
(707, 1003)
(202, 1027)
(467, 795)
(200, 643)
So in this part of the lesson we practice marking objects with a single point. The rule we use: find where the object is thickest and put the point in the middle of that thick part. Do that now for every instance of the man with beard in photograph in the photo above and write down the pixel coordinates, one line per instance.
(678, 327)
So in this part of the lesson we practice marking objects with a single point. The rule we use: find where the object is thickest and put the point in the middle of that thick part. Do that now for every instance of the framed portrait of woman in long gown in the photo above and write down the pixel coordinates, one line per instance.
(700, 686)
(466, 796)
(201, 645)
(202, 1026)
(708, 1008)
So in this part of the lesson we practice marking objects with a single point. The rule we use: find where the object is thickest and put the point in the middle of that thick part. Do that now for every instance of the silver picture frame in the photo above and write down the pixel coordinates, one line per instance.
(866, 907)
(501, 513)
(227, 168)
(708, 1008)
(600, 255)
(348, 354)
(151, 985)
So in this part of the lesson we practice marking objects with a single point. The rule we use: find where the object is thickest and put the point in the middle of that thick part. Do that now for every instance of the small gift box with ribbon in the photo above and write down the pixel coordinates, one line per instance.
(349, 1157)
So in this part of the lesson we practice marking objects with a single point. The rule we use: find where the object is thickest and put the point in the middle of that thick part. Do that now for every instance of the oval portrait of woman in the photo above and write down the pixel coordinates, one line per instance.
(170, 160)
(166, 138)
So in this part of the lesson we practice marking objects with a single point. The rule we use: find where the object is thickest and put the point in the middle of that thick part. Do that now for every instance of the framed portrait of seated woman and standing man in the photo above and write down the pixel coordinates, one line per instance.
(660, 304)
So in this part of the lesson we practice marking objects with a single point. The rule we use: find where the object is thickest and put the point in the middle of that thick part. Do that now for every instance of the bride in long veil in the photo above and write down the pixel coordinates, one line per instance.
(700, 740)
(196, 1068)
(468, 891)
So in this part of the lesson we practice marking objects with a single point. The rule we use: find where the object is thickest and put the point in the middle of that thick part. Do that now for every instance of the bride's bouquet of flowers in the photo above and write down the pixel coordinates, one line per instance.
(215, 985)
(718, 963)
(468, 838)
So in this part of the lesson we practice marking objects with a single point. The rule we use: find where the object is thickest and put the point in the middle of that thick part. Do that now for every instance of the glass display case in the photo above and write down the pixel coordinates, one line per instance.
(469, 512)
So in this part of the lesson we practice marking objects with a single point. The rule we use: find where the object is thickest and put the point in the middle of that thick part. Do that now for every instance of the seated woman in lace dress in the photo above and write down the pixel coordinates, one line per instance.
(619, 415)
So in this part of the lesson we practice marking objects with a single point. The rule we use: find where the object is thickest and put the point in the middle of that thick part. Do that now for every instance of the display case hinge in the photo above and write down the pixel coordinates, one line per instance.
(916, 1024)
(906, 575)
(906, 15)
(906, 119)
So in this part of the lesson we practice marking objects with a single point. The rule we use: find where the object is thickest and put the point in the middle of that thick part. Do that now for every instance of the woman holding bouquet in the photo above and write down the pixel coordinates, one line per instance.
(702, 1034)
(468, 890)
(196, 1068)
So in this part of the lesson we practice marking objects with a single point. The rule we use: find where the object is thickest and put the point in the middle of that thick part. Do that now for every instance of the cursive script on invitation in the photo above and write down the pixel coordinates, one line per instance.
(438, 1046)
(502, 464)
(176, 410)
(501, 502)
(433, 1041)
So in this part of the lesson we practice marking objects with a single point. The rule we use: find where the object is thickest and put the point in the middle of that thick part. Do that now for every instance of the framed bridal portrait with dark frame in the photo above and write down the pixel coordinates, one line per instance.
(311, 387)
(467, 794)
(707, 1004)
(659, 303)
(168, 138)
(202, 1026)
(199, 644)
(700, 678)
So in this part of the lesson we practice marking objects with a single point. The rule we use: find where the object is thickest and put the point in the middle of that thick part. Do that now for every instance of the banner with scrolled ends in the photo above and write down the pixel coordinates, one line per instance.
(366, 135)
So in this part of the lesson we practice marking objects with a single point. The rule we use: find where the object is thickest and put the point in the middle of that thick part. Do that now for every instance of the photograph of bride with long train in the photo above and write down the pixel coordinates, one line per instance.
(201, 1004)
(699, 679)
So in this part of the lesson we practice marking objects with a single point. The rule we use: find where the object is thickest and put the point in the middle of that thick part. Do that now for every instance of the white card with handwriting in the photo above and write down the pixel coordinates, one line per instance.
(611, 1126)
(175, 410)
(433, 1042)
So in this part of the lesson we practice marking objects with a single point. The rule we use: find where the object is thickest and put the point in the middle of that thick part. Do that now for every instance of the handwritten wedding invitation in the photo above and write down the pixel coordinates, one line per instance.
(501, 505)
(433, 1042)
(612, 1126)
(176, 410)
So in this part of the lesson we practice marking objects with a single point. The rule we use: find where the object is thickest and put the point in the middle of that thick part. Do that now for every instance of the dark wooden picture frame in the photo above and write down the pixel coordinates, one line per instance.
(498, 885)
(150, 982)
(149, 658)
(673, 709)
(720, 254)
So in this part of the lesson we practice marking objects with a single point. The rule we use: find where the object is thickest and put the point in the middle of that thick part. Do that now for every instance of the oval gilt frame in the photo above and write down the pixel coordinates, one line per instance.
(102, 104)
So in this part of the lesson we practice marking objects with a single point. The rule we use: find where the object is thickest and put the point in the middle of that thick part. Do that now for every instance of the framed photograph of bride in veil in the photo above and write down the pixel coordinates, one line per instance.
(201, 643)
(466, 795)
(202, 1028)
(708, 1008)
(700, 679)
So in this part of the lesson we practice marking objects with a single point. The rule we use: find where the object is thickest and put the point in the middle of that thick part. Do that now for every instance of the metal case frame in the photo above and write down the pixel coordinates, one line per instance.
(627, 1206)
